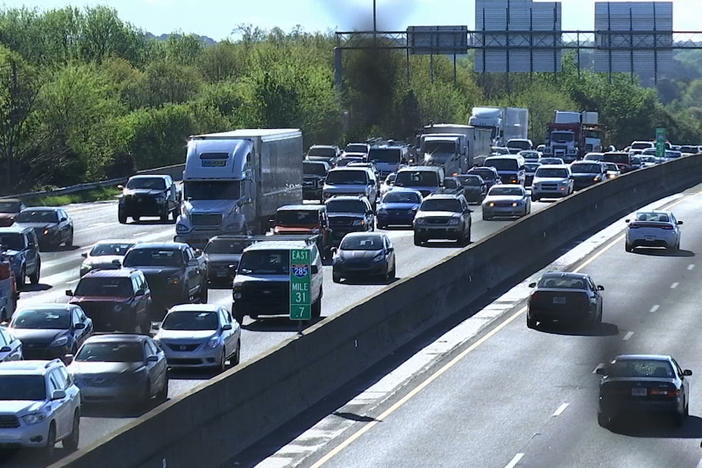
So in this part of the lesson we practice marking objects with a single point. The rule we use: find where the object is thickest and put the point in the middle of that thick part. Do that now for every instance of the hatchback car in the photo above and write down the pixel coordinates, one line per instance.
(643, 383)
(120, 368)
(398, 208)
(653, 229)
(364, 255)
(53, 226)
(506, 201)
(10, 346)
(50, 331)
(39, 406)
(105, 255)
(200, 335)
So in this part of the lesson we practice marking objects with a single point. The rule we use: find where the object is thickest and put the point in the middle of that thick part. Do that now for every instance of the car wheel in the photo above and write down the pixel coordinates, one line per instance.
(163, 394)
(21, 279)
(147, 394)
(174, 214)
(604, 421)
(222, 364)
(336, 277)
(317, 308)
(121, 216)
(381, 226)
(204, 293)
(50, 447)
(237, 314)
(34, 277)
(69, 242)
(236, 357)
(531, 323)
(534, 199)
(70, 443)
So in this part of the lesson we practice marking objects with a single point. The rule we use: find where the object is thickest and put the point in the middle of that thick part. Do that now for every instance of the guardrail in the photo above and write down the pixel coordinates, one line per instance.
(212, 423)
(175, 171)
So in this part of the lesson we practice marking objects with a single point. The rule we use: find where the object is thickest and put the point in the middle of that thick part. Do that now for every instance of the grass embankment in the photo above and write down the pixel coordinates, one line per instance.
(85, 196)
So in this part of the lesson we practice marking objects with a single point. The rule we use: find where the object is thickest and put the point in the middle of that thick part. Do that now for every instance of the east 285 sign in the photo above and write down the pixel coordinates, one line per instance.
(300, 293)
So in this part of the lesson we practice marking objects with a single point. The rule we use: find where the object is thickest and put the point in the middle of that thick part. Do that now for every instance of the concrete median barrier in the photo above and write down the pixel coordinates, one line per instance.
(209, 425)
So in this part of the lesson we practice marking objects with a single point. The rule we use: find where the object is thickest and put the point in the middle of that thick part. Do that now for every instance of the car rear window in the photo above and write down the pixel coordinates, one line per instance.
(641, 368)
(561, 282)
(653, 217)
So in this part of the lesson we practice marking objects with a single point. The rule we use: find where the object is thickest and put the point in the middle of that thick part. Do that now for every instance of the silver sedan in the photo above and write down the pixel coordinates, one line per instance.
(653, 229)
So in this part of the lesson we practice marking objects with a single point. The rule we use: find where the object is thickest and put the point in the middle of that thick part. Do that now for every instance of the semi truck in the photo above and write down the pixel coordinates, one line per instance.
(234, 182)
(572, 135)
(504, 123)
(453, 147)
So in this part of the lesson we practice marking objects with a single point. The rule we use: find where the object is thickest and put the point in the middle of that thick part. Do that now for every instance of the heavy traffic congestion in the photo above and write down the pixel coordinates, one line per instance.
(142, 307)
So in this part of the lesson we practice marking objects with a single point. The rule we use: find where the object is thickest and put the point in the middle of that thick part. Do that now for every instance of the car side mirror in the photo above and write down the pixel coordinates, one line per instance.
(687, 372)
(532, 285)
(314, 269)
(600, 287)
(227, 326)
(69, 292)
(680, 222)
(58, 395)
(5, 349)
(84, 255)
(79, 326)
(152, 358)
(601, 371)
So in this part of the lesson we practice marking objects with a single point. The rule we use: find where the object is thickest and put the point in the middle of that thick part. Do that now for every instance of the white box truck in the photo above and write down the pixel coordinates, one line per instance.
(504, 123)
(453, 146)
(235, 181)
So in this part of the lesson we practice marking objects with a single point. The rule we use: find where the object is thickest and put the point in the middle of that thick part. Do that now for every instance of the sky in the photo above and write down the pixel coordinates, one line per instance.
(218, 18)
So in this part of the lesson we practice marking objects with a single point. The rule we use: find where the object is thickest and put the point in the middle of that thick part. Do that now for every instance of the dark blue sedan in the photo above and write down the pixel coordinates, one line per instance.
(398, 207)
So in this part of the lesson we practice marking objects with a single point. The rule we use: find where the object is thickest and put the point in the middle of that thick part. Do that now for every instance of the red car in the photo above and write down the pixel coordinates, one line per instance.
(9, 209)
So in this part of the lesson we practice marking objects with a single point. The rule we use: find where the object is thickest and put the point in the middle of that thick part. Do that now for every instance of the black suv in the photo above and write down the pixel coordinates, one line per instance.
(153, 195)
(115, 300)
(349, 214)
(175, 272)
(19, 246)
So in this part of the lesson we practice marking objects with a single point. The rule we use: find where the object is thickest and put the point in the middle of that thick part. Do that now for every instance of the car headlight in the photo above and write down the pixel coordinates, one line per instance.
(118, 308)
(359, 222)
(33, 418)
(60, 341)
(515, 204)
(491, 204)
(213, 343)
(182, 228)
(454, 221)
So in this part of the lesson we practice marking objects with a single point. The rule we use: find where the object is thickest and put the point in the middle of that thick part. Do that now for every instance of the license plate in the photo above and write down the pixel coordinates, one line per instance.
(559, 300)
(639, 391)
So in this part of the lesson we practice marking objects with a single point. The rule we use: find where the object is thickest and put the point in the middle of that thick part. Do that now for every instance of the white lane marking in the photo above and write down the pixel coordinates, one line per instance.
(628, 336)
(139, 234)
(560, 409)
(691, 266)
(594, 371)
(674, 285)
(654, 308)
(517, 458)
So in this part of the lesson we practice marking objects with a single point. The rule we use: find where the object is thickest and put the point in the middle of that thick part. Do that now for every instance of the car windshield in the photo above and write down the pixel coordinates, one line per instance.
(521, 144)
(417, 179)
(311, 168)
(356, 148)
(594, 157)
(441, 204)
(585, 168)
(551, 172)
(199, 190)
(347, 177)
(184, 320)
(640, 368)
(117, 248)
(502, 164)
(368, 242)
(486, 174)
(385, 155)
(37, 216)
(322, 151)
(12, 240)
(432, 147)
(226, 246)
(561, 137)
(346, 206)
(265, 262)
(401, 197)
(653, 217)
(562, 282)
(153, 257)
(9, 206)
(150, 183)
(296, 217)
(22, 388)
(45, 319)
(471, 181)
(502, 191)
(617, 158)
(104, 287)
(111, 352)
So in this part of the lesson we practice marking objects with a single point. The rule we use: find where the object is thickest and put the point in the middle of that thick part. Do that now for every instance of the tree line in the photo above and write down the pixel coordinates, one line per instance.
(86, 96)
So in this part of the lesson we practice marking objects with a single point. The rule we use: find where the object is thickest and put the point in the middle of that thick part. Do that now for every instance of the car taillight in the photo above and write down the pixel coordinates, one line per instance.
(664, 391)
(667, 227)
(4, 271)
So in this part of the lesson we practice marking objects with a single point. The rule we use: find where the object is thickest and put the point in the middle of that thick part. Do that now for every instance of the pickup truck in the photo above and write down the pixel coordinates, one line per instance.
(175, 273)
(154, 195)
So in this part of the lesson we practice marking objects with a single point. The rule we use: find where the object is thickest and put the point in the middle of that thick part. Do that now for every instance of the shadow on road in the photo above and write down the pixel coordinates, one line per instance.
(603, 329)
(36, 287)
(663, 253)
(658, 426)
(355, 417)
(112, 410)
(61, 248)
(359, 281)
(276, 324)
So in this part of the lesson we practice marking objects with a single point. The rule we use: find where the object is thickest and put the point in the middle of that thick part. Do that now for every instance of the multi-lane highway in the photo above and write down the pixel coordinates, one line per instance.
(521, 397)
(98, 221)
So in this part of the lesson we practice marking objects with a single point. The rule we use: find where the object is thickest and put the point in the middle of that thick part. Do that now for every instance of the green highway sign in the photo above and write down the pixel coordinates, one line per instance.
(660, 142)
(300, 291)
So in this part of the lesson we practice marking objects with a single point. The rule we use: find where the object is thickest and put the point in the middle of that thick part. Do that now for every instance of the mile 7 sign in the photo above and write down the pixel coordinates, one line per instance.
(300, 296)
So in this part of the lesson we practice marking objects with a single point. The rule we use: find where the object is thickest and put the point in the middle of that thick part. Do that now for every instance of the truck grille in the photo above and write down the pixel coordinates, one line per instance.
(9, 421)
(342, 221)
(183, 347)
(206, 219)
(436, 220)
(549, 187)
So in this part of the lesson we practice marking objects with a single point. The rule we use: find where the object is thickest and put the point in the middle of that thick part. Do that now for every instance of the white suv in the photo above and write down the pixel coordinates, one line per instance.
(39, 405)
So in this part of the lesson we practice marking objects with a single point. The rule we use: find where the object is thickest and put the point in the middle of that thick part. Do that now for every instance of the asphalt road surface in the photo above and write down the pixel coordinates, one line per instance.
(98, 221)
(528, 398)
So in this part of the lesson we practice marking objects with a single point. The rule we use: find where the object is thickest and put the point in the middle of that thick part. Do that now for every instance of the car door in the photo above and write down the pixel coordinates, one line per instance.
(62, 407)
(31, 251)
(141, 295)
(389, 251)
(466, 213)
(80, 334)
(190, 271)
(63, 225)
(227, 335)
(159, 368)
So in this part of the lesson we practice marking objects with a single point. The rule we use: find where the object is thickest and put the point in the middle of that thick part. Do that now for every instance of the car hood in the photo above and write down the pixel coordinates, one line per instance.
(208, 206)
(586, 175)
(358, 254)
(242, 278)
(549, 179)
(26, 335)
(296, 229)
(88, 368)
(507, 198)
(9, 253)
(427, 214)
(185, 335)
(19, 407)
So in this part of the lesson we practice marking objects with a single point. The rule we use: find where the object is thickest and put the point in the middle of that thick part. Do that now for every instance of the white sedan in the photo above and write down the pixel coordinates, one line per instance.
(506, 201)
(653, 229)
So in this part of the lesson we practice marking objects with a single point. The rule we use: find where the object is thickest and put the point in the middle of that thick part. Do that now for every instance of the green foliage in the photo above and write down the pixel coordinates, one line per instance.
(84, 196)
